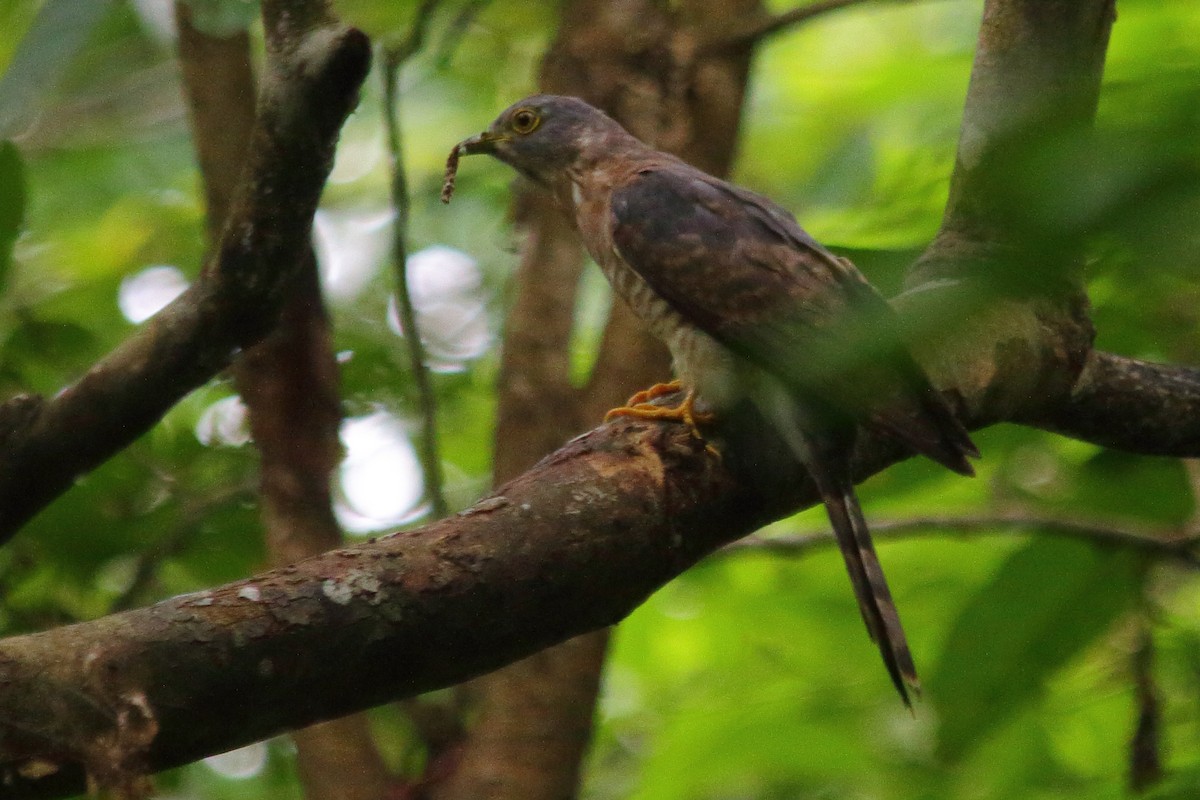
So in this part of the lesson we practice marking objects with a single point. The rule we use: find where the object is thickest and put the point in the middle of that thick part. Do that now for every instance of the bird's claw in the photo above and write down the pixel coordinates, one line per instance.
(653, 393)
(685, 412)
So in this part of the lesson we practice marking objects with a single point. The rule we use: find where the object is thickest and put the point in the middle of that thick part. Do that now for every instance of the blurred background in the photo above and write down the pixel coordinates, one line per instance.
(750, 676)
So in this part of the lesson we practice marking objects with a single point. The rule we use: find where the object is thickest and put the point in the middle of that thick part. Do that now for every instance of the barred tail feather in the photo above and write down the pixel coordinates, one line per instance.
(823, 449)
(866, 576)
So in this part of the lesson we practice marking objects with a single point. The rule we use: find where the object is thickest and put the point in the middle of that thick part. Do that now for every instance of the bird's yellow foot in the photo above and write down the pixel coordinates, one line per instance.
(685, 412)
(646, 395)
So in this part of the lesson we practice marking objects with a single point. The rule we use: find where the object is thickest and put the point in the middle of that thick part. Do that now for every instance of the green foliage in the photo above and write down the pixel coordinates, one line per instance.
(1046, 603)
(12, 204)
(751, 676)
(47, 49)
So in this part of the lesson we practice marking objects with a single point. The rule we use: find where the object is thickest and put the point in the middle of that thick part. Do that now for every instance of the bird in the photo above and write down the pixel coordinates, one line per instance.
(751, 308)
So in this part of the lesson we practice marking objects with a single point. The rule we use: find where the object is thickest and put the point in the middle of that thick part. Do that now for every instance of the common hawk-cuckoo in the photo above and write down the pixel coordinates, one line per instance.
(750, 307)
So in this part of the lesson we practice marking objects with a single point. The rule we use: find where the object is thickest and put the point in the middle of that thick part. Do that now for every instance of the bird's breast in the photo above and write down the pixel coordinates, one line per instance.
(701, 362)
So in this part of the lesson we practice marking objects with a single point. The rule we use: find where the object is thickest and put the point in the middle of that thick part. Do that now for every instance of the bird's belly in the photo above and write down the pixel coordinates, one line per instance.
(701, 362)
(707, 366)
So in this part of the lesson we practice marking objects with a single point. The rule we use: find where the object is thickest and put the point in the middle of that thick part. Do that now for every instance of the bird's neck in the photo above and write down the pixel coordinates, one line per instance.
(598, 170)
(605, 155)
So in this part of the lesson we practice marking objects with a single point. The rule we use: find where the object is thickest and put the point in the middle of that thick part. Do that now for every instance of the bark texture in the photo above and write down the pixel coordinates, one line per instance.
(202, 673)
(290, 386)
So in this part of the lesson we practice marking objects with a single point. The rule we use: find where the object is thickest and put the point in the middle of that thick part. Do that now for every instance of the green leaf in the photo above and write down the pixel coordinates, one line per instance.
(12, 205)
(1046, 603)
(57, 33)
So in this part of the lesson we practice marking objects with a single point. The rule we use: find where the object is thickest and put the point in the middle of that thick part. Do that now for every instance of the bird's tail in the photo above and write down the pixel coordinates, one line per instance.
(921, 418)
(866, 575)
(823, 445)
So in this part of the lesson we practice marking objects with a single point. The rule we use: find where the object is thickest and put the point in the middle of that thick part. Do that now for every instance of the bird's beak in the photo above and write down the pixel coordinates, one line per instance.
(483, 143)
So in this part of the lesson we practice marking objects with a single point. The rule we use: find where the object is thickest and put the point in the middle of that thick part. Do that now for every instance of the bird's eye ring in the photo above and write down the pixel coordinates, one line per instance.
(525, 120)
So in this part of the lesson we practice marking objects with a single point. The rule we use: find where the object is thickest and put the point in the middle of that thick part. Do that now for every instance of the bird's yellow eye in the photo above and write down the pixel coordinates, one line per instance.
(525, 120)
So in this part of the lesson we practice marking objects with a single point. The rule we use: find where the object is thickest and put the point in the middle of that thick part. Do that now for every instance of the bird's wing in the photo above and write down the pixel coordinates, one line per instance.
(741, 269)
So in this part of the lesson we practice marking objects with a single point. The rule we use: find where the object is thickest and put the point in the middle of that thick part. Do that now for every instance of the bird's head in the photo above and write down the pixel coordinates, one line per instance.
(544, 135)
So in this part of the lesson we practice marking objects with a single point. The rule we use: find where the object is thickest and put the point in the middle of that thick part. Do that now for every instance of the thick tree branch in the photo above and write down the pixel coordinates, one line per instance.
(205, 672)
(202, 673)
(1035, 81)
(46, 444)
(1016, 307)
(1131, 405)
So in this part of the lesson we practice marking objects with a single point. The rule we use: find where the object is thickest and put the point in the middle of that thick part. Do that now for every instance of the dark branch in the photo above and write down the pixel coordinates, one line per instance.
(48, 444)
(1131, 405)
(753, 34)
(202, 673)
(1145, 746)
(1161, 545)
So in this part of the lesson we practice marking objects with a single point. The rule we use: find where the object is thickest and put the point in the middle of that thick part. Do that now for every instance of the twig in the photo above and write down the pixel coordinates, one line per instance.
(457, 29)
(1159, 545)
(1145, 746)
(397, 53)
(394, 57)
(755, 33)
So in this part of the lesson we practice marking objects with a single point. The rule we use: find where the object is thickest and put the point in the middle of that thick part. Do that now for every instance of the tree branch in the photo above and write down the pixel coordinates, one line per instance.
(1035, 79)
(46, 444)
(1016, 307)
(206, 672)
(1145, 746)
(1130, 405)
(289, 382)
(751, 35)
(1162, 545)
